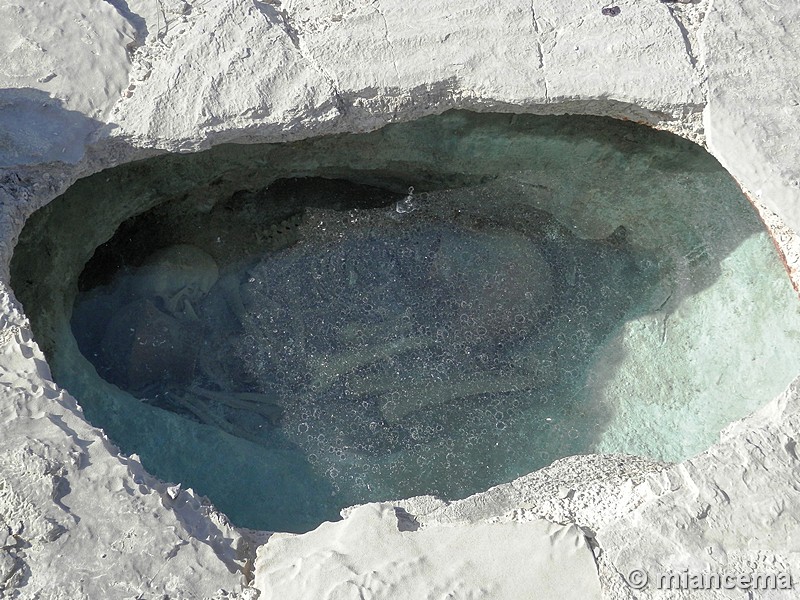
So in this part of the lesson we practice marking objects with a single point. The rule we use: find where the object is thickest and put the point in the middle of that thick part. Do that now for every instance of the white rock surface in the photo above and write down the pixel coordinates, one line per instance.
(749, 100)
(83, 521)
(376, 553)
(79, 521)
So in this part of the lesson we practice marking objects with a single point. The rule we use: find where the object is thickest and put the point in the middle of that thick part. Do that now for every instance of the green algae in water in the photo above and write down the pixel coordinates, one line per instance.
(314, 343)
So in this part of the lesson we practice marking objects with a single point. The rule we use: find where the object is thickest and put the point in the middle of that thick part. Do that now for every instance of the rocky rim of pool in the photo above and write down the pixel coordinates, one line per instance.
(290, 347)
(286, 73)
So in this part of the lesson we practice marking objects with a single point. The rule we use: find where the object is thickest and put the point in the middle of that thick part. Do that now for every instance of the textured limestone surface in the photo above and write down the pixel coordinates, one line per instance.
(85, 85)
(498, 560)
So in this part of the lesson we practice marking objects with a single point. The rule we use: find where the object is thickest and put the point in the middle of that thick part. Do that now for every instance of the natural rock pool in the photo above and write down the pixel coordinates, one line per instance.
(432, 308)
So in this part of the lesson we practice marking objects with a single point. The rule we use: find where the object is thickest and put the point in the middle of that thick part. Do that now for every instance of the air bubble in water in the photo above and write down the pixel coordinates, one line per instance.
(406, 205)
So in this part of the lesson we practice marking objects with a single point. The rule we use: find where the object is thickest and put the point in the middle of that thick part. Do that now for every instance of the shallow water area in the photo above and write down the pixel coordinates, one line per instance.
(290, 329)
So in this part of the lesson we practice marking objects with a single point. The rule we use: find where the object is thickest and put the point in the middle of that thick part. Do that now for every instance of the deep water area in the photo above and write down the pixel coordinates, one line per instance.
(433, 344)
(432, 308)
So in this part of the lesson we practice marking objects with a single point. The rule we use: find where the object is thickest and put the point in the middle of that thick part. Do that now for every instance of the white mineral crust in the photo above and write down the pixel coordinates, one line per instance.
(85, 85)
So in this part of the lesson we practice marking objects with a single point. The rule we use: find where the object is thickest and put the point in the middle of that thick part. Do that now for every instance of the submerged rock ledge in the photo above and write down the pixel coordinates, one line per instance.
(86, 86)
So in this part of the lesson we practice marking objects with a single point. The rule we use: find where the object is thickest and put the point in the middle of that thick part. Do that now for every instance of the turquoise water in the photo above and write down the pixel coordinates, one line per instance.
(432, 308)
(433, 344)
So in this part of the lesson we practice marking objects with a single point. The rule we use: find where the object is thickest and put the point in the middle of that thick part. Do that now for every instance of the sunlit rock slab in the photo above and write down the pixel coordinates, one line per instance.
(379, 552)
(754, 98)
(76, 519)
(64, 66)
(271, 68)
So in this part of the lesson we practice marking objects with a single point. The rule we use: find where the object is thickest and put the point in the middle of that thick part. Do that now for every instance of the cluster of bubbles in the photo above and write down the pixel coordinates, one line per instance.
(416, 353)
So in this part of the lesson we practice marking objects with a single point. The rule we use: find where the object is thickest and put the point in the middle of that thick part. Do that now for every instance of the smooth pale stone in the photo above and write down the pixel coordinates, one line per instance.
(179, 275)
(753, 70)
(368, 556)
